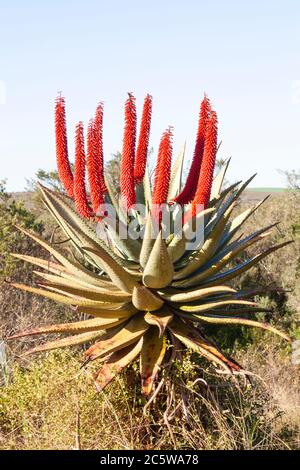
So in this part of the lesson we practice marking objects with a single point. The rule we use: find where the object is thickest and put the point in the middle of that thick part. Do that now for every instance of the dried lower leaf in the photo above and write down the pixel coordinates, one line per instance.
(117, 361)
(161, 319)
(153, 351)
(193, 339)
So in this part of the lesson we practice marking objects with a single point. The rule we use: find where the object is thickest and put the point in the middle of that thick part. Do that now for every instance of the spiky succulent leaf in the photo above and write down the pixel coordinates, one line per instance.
(225, 320)
(176, 174)
(159, 270)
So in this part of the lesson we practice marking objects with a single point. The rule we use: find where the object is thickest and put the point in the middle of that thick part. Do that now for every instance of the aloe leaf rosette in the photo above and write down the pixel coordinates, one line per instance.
(162, 283)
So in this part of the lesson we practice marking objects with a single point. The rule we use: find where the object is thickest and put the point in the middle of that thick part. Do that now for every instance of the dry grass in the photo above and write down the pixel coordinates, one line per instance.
(281, 379)
(51, 404)
(282, 268)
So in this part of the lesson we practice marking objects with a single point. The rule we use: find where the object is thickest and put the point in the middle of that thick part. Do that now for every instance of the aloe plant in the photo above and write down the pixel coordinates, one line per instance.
(145, 295)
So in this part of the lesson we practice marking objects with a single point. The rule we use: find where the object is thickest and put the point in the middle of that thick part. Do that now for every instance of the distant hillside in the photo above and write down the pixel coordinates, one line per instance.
(250, 195)
(256, 194)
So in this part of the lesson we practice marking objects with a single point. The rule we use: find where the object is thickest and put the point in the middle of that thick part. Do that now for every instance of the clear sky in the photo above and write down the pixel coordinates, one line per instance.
(244, 54)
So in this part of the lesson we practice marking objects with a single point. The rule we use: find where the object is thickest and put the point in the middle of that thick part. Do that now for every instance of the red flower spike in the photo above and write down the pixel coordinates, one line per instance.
(62, 159)
(188, 192)
(97, 197)
(80, 196)
(142, 148)
(98, 127)
(208, 165)
(128, 153)
(163, 169)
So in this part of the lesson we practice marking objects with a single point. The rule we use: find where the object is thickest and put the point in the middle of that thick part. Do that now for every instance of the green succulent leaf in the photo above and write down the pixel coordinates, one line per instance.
(148, 241)
(129, 246)
(109, 310)
(115, 271)
(144, 299)
(203, 307)
(65, 342)
(218, 181)
(224, 320)
(95, 324)
(176, 248)
(159, 269)
(176, 175)
(129, 334)
(191, 294)
(58, 297)
(61, 271)
(238, 221)
(73, 267)
(71, 281)
(103, 297)
(217, 263)
(147, 188)
(241, 268)
(208, 249)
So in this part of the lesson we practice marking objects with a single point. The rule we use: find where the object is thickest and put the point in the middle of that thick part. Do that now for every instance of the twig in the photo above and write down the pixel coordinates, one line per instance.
(153, 396)
(166, 417)
(77, 437)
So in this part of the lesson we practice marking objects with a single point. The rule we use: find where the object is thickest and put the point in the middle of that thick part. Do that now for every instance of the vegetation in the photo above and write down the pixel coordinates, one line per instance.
(154, 296)
(48, 403)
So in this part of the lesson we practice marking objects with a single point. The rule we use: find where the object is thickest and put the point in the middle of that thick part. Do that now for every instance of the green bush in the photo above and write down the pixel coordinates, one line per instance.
(13, 213)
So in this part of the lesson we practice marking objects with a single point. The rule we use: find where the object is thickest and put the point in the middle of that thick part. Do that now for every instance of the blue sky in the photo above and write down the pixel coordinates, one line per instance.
(244, 55)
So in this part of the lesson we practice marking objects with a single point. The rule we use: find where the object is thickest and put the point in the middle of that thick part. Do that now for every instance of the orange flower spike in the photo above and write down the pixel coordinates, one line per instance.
(208, 165)
(128, 153)
(97, 197)
(143, 142)
(62, 158)
(163, 169)
(98, 125)
(80, 195)
(188, 192)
